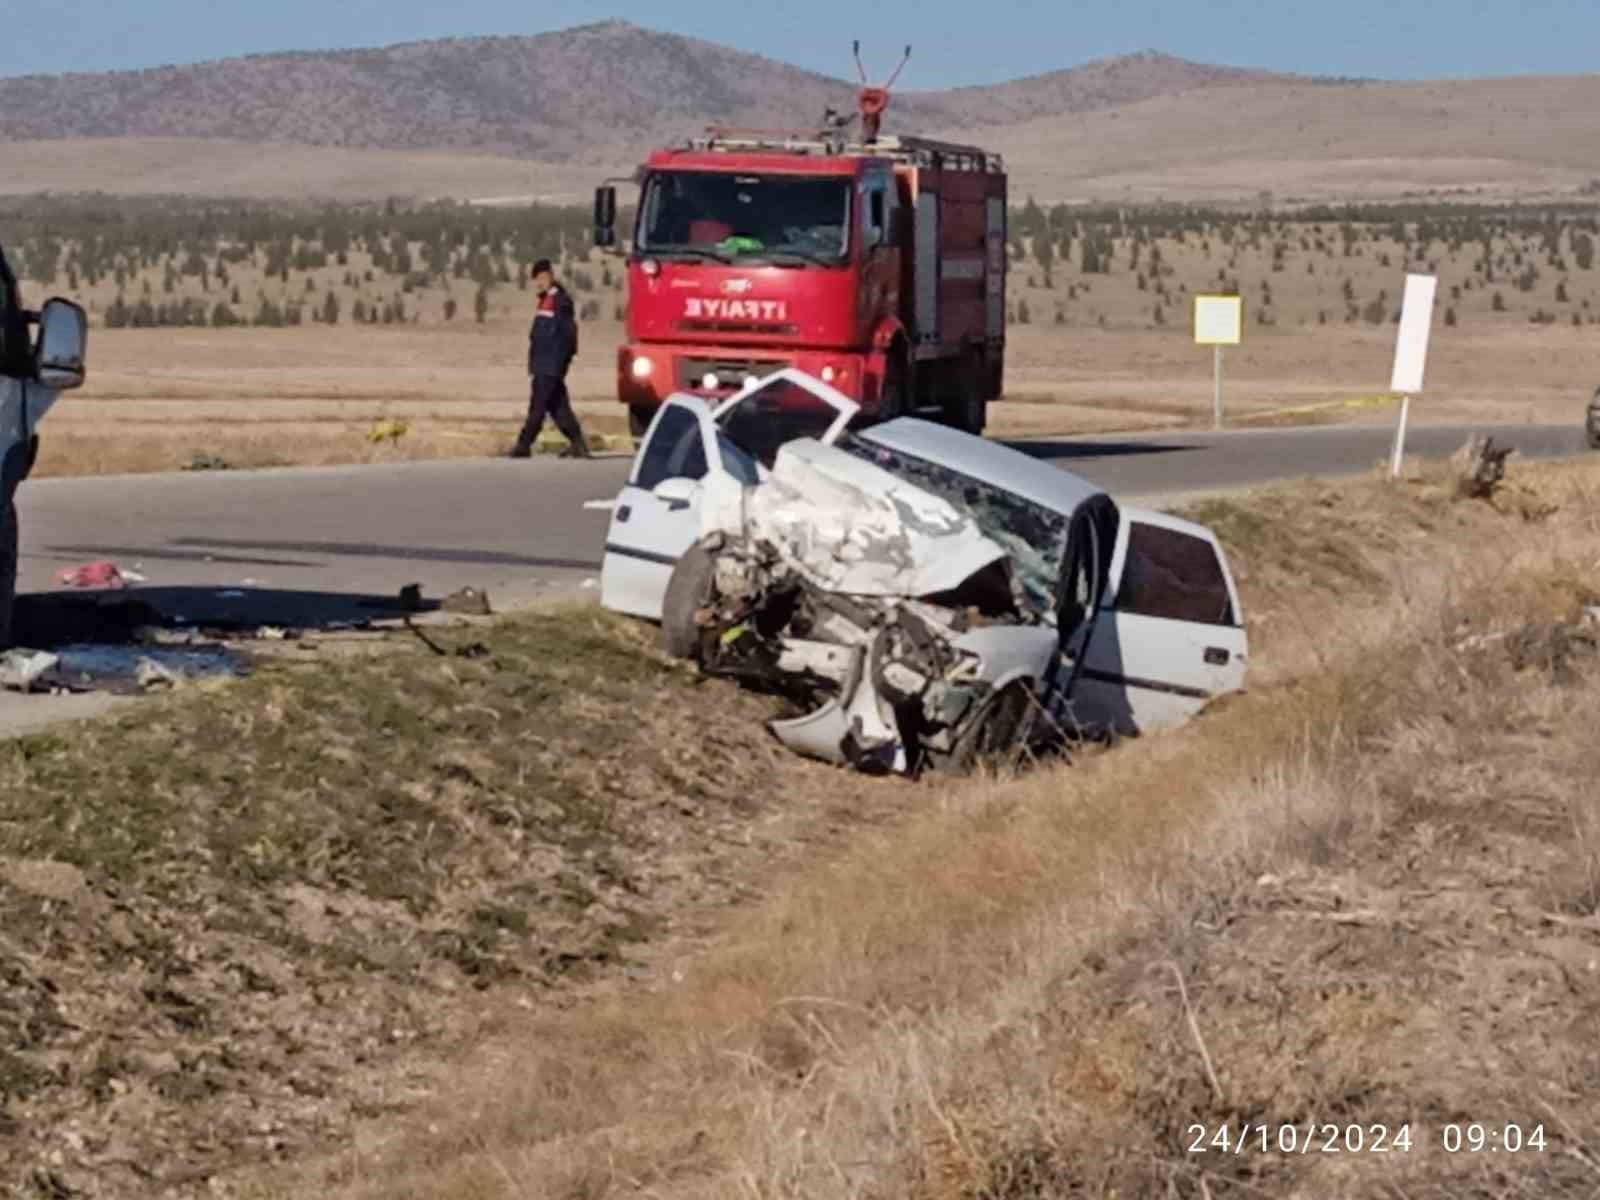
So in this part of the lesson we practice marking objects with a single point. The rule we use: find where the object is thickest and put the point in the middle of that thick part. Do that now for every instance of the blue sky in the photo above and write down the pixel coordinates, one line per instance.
(953, 43)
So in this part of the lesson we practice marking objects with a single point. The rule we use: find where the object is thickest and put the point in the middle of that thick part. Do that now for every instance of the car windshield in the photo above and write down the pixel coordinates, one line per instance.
(1034, 537)
(739, 218)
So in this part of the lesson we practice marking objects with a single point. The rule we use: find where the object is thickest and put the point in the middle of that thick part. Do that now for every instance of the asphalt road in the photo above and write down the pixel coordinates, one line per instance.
(303, 545)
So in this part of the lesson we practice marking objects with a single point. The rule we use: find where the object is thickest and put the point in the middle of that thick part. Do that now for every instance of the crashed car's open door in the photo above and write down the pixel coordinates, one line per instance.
(656, 516)
(1169, 635)
(784, 407)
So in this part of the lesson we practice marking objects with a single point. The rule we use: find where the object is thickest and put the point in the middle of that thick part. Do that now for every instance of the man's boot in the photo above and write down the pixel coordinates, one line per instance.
(520, 451)
(578, 447)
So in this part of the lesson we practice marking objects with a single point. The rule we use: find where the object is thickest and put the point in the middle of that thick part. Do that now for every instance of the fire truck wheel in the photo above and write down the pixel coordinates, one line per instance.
(638, 421)
(967, 409)
(892, 396)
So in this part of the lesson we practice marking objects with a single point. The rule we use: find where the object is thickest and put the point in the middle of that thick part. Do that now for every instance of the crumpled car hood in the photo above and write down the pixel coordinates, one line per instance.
(853, 528)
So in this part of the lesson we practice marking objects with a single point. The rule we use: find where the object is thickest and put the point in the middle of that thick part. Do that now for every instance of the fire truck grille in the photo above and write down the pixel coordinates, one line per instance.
(770, 330)
(730, 372)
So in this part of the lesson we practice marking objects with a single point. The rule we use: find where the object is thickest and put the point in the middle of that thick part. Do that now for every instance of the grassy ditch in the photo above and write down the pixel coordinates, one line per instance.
(228, 918)
(1365, 893)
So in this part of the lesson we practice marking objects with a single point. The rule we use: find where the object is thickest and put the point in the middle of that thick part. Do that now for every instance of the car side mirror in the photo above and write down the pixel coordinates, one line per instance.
(62, 344)
(677, 491)
(605, 216)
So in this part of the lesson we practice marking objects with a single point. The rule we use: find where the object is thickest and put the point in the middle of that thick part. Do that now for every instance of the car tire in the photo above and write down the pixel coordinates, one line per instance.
(689, 589)
(999, 731)
(638, 421)
(1591, 422)
(8, 570)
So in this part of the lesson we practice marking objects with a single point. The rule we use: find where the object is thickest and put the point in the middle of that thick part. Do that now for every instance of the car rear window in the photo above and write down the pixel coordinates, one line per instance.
(1173, 575)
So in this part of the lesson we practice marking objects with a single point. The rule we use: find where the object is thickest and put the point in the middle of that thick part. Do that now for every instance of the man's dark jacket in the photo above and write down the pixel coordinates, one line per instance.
(553, 340)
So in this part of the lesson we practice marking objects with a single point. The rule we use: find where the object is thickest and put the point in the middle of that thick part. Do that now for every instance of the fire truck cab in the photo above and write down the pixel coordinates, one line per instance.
(877, 265)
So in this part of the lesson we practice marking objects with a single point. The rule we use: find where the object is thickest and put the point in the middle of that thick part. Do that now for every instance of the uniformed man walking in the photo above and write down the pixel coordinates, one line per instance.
(552, 342)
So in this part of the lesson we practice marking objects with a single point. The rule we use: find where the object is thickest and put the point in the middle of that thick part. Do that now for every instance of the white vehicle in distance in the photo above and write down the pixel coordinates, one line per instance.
(41, 356)
(925, 597)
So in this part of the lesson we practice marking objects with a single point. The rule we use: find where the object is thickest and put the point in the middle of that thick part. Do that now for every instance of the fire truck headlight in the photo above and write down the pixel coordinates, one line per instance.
(709, 381)
(642, 367)
(827, 374)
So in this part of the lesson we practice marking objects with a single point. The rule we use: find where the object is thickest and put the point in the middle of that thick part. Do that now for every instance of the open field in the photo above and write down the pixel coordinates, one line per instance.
(511, 921)
(221, 345)
(160, 399)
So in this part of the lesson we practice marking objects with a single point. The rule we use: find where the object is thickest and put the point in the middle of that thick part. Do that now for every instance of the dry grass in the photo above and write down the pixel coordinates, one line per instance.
(226, 952)
(1356, 870)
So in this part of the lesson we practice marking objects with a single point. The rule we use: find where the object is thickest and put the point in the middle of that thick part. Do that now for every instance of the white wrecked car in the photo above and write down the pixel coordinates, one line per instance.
(927, 597)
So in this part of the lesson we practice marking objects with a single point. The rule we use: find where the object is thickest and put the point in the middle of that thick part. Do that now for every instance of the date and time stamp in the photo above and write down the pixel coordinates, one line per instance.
(1311, 1137)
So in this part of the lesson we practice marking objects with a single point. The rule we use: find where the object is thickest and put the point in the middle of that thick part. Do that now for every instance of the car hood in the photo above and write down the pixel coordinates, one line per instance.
(852, 527)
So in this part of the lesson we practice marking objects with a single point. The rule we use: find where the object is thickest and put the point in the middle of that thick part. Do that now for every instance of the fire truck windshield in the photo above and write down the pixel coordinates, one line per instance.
(729, 217)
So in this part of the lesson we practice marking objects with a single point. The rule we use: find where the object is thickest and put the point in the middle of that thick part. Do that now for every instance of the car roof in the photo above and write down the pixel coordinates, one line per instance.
(1016, 472)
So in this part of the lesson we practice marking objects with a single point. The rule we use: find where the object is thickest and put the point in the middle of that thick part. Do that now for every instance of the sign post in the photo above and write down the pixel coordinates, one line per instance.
(1411, 354)
(1218, 322)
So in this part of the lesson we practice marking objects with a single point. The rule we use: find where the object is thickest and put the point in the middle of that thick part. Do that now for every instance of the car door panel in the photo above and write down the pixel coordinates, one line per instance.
(1169, 638)
(649, 532)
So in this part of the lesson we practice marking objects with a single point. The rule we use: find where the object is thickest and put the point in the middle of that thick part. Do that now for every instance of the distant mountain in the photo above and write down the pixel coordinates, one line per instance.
(594, 93)
(547, 117)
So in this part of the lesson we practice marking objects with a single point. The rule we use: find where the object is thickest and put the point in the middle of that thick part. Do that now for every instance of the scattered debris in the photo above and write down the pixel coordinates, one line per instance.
(21, 669)
(467, 600)
(1480, 466)
(590, 584)
(148, 673)
(92, 575)
(271, 633)
(387, 431)
(208, 462)
(1551, 646)
(411, 597)
(138, 668)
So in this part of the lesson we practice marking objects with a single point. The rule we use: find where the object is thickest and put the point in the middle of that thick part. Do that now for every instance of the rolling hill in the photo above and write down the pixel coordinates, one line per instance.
(522, 117)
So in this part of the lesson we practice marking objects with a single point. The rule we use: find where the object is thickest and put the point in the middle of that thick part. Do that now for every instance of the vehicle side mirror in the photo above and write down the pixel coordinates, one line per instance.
(62, 345)
(605, 215)
(677, 491)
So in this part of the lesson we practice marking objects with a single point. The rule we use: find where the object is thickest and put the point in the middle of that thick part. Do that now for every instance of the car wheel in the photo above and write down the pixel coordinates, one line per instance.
(689, 589)
(638, 421)
(997, 731)
(8, 570)
(1592, 422)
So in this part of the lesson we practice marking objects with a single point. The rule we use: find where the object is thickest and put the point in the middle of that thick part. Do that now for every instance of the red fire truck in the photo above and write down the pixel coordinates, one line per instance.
(875, 263)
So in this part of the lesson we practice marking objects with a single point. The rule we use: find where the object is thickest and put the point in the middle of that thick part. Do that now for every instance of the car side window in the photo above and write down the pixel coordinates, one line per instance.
(1175, 576)
(676, 450)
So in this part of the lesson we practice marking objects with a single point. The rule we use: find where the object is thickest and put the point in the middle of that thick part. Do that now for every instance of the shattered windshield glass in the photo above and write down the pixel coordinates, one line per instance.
(740, 218)
(1034, 537)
